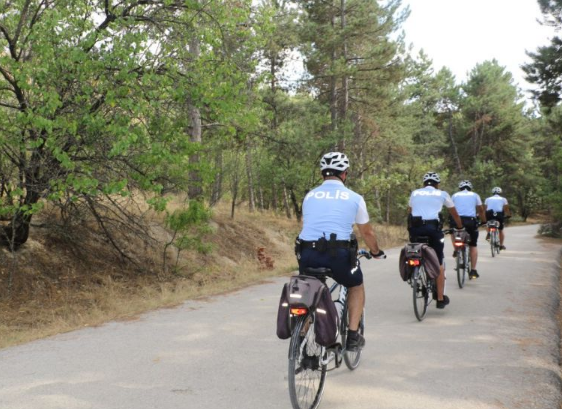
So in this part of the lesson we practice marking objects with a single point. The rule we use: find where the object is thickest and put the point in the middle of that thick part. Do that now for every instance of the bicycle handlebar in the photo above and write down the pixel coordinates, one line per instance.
(368, 255)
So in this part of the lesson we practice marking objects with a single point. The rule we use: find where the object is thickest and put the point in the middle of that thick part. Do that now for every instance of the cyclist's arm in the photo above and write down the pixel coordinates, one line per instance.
(368, 234)
(506, 210)
(453, 212)
(481, 213)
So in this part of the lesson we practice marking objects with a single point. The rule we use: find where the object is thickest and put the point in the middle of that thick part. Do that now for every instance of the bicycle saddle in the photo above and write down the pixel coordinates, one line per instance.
(318, 271)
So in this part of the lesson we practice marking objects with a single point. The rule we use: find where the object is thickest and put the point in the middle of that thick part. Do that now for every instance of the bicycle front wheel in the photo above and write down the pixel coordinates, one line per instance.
(306, 371)
(351, 359)
(461, 266)
(420, 292)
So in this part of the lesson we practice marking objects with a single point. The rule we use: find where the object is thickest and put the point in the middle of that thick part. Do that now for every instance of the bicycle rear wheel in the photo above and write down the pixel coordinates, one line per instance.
(351, 359)
(420, 292)
(461, 266)
(306, 371)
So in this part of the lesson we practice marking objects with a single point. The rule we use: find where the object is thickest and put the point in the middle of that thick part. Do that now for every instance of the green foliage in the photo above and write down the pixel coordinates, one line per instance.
(189, 227)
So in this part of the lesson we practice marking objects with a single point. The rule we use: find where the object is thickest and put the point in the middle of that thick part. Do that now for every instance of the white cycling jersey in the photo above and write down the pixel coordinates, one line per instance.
(428, 202)
(332, 208)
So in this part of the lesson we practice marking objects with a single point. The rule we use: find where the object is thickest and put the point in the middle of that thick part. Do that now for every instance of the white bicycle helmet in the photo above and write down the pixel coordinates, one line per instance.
(431, 176)
(497, 190)
(335, 161)
(465, 183)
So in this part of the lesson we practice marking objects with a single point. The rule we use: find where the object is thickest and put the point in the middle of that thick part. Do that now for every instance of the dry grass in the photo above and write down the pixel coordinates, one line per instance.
(64, 283)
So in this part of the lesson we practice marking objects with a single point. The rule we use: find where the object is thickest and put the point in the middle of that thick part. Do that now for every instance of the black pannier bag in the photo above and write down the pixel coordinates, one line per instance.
(304, 291)
(283, 317)
(300, 292)
(327, 319)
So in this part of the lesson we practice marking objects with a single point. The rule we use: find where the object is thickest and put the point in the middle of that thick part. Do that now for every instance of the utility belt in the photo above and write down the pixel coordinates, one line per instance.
(332, 245)
(417, 221)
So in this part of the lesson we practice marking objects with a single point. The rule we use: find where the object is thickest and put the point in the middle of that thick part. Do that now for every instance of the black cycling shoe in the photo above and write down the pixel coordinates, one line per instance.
(502, 248)
(473, 274)
(488, 236)
(355, 341)
(443, 303)
(455, 253)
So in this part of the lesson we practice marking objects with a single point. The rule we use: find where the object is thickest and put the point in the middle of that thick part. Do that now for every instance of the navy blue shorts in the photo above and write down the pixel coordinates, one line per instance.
(436, 241)
(471, 226)
(499, 216)
(340, 264)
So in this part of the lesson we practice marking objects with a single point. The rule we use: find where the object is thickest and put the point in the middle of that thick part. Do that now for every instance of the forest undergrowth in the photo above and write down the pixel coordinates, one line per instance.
(59, 282)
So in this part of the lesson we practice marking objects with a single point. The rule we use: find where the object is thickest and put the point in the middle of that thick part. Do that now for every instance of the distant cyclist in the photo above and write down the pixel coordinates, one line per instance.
(497, 208)
(326, 240)
(424, 207)
(468, 203)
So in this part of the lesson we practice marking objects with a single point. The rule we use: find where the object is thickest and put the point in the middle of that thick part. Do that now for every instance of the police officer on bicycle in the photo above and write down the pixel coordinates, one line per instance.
(423, 220)
(467, 204)
(497, 208)
(327, 240)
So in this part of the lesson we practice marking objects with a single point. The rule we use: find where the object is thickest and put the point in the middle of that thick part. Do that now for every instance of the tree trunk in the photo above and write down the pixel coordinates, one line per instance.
(274, 203)
(297, 206)
(217, 186)
(286, 201)
(195, 187)
(344, 100)
(251, 191)
(333, 87)
(453, 143)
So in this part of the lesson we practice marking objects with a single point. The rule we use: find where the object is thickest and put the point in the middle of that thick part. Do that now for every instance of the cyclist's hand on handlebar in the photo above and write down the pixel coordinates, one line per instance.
(364, 253)
(379, 255)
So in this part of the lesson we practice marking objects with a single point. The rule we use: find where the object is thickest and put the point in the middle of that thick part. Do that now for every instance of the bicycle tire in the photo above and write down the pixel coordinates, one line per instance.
(468, 265)
(306, 373)
(420, 292)
(351, 359)
(461, 267)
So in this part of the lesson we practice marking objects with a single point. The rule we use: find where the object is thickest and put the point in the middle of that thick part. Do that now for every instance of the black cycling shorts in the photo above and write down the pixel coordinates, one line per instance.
(436, 238)
(471, 226)
(499, 216)
(340, 264)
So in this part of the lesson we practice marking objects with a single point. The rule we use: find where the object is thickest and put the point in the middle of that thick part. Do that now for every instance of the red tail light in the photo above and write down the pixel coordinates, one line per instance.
(414, 262)
(459, 244)
(492, 229)
(298, 311)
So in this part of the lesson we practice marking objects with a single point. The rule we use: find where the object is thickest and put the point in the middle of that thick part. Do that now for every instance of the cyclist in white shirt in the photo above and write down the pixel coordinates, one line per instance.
(327, 240)
(497, 208)
(423, 220)
(467, 204)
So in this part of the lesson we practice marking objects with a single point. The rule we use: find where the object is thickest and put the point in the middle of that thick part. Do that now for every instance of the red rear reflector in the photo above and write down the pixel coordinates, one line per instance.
(298, 311)
(414, 262)
(459, 244)
(492, 229)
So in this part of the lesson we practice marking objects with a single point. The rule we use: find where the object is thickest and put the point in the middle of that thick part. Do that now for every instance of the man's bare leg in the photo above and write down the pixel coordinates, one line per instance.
(355, 304)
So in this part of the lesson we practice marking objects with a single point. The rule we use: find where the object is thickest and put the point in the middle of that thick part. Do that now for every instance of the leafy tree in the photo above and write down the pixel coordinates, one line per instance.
(88, 95)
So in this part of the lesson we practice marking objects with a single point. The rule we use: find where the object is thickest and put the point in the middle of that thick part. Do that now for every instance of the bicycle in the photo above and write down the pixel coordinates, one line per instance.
(463, 261)
(493, 229)
(420, 281)
(308, 361)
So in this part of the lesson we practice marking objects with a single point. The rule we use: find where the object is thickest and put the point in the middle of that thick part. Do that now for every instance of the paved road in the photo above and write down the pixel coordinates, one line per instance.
(494, 346)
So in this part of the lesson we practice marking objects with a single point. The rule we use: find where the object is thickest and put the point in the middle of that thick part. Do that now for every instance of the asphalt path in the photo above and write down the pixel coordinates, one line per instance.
(495, 346)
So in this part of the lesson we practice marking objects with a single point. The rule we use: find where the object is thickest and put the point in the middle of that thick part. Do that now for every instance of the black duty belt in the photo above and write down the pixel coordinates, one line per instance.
(341, 244)
(433, 222)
